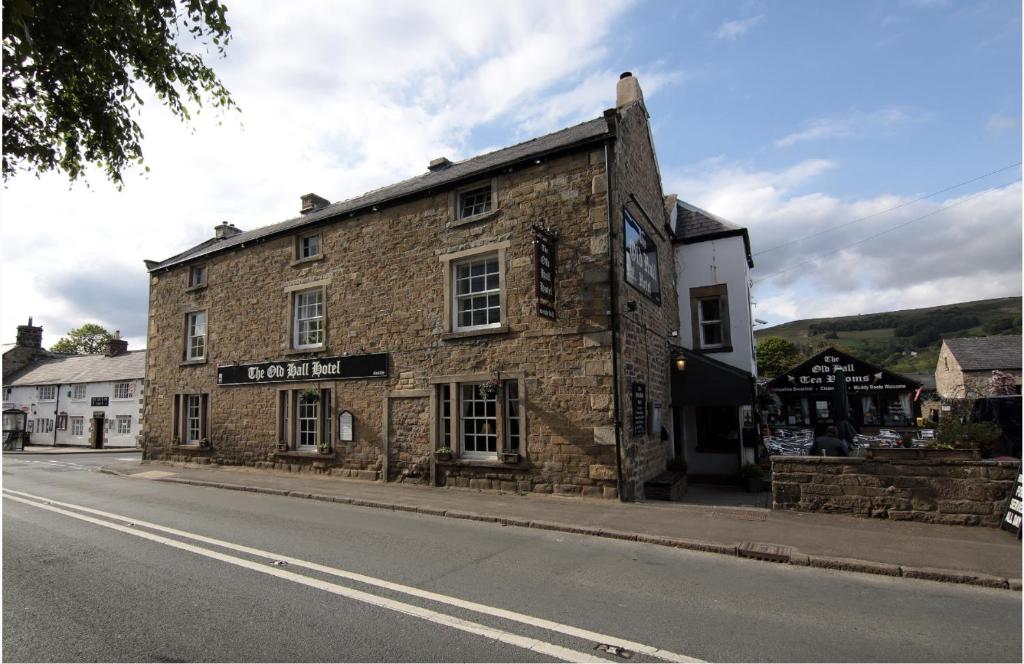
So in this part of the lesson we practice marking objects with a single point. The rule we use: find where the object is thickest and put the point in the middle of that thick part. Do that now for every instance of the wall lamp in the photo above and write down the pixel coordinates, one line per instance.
(680, 364)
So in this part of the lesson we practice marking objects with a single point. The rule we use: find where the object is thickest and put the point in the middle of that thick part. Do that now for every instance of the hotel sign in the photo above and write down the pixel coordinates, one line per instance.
(544, 270)
(641, 259)
(305, 370)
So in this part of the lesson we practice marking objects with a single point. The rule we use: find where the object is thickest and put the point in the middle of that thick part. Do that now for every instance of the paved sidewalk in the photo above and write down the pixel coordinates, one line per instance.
(980, 556)
(66, 449)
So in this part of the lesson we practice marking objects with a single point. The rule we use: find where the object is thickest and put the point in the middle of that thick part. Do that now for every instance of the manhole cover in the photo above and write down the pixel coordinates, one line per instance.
(775, 553)
(742, 515)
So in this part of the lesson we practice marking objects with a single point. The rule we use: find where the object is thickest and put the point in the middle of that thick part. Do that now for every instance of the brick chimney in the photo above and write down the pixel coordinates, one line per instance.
(627, 91)
(312, 203)
(29, 336)
(438, 164)
(224, 230)
(117, 345)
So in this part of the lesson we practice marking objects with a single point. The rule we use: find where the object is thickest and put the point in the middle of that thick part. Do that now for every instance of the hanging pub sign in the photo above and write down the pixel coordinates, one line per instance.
(641, 259)
(100, 401)
(818, 374)
(1012, 518)
(544, 270)
(318, 368)
(638, 395)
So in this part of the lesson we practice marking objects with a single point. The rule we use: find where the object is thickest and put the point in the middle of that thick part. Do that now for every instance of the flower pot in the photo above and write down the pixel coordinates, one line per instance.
(323, 449)
(282, 446)
(443, 456)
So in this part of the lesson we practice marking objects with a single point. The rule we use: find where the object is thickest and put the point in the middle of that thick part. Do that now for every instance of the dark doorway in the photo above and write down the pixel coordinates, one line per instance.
(96, 436)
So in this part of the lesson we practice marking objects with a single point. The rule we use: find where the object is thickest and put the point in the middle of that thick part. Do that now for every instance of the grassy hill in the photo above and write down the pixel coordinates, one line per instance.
(905, 340)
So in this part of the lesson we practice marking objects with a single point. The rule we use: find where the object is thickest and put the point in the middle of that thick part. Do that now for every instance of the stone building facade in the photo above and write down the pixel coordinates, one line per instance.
(965, 365)
(362, 337)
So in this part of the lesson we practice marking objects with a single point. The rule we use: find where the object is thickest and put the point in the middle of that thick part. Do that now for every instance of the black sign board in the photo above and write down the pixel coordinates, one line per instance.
(101, 401)
(305, 370)
(818, 374)
(641, 259)
(1012, 518)
(544, 253)
(638, 395)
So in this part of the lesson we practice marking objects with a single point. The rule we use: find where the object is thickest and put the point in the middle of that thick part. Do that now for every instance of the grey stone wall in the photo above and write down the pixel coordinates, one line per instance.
(946, 491)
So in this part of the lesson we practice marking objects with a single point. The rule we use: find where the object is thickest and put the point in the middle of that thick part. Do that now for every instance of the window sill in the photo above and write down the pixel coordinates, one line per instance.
(196, 288)
(305, 261)
(192, 363)
(717, 349)
(465, 334)
(485, 463)
(306, 351)
(483, 216)
(293, 454)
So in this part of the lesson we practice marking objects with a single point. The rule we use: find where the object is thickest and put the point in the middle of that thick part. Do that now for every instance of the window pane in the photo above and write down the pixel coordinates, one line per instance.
(710, 310)
(712, 334)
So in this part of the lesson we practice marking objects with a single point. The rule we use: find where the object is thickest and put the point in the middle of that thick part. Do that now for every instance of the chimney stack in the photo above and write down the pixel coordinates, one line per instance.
(438, 164)
(224, 230)
(627, 91)
(29, 336)
(312, 203)
(117, 345)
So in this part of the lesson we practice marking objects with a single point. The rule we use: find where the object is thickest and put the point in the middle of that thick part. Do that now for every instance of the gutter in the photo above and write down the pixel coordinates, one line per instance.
(614, 322)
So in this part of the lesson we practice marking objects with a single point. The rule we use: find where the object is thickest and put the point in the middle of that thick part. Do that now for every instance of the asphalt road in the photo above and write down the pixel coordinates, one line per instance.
(200, 574)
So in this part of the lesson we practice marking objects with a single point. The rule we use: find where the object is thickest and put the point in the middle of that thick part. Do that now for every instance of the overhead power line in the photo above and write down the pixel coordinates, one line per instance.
(885, 232)
(887, 210)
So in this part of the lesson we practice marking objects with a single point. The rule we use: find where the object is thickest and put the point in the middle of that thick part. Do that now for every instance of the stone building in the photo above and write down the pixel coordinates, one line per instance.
(515, 308)
(964, 368)
(93, 400)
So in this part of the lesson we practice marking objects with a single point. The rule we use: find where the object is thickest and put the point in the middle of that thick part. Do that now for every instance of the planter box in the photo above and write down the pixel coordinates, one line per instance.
(509, 457)
(670, 485)
(908, 454)
(443, 457)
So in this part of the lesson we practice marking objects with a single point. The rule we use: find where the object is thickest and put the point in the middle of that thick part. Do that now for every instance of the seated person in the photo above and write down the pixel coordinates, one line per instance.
(829, 443)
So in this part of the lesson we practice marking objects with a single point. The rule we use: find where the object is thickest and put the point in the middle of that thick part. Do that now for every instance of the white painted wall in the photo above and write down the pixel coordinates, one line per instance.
(24, 397)
(708, 264)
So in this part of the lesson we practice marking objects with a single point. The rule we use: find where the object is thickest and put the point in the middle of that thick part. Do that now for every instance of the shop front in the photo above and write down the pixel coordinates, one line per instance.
(877, 399)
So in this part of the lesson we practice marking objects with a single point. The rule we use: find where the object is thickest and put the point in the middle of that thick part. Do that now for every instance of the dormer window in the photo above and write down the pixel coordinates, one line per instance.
(475, 201)
(197, 276)
(308, 247)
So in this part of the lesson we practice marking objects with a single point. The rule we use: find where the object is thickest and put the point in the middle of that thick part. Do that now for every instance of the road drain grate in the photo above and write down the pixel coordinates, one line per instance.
(614, 650)
(775, 553)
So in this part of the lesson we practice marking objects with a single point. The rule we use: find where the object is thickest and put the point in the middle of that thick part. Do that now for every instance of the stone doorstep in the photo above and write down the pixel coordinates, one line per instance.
(751, 550)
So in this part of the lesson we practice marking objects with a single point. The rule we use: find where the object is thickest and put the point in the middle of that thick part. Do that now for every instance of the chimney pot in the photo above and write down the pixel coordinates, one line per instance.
(625, 74)
(438, 164)
(312, 203)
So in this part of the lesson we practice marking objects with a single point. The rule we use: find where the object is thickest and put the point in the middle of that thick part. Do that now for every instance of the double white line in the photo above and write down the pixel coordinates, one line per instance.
(130, 526)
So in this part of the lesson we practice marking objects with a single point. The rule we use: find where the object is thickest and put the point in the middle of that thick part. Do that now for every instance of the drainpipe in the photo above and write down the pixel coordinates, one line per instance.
(615, 324)
(56, 409)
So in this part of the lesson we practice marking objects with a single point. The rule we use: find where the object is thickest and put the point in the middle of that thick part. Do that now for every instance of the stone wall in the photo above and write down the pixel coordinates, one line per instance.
(946, 491)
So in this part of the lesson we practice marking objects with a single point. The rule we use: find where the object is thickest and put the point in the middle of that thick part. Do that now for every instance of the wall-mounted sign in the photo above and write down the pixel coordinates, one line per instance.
(1012, 518)
(818, 374)
(655, 417)
(641, 259)
(345, 426)
(544, 252)
(101, 401)
(638, 396)
(319, 368)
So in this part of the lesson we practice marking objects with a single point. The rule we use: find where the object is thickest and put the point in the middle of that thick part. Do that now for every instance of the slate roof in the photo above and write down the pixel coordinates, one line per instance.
(986, 353)
(927, 380)
(696, 225)
(580, 134)
(83, 369)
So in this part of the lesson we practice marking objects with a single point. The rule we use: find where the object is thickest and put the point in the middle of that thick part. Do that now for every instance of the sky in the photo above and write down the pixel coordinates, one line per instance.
(870, 147)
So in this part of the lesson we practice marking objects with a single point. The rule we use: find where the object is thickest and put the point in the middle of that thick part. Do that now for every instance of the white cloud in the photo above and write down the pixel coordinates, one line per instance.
(338, 98)
(853, 124)
(1002, 122)
(970, 251)
(733, 30)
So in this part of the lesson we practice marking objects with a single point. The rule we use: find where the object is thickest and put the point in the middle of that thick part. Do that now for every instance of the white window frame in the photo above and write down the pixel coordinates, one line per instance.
(46, 393)
(720, 321)
(193, 418)
(476, 398)
(77, 426)
(195, 338)
(124, 425)
(306, 413)
(298, 321)
(126, 388)
(78, 392)
(464, 194)
(302, 247)
(487, 292)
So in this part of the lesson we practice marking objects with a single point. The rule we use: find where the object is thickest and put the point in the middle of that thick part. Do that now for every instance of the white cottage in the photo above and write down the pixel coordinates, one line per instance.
(90, 400)
(713, 378)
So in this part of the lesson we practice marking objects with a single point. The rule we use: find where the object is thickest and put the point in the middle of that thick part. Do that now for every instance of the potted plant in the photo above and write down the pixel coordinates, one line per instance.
(510, 457)
(751, 474)
(443, 454)
(489, 389)
(282, 446)
(204, 443)
(323, 447)
(310, 395)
